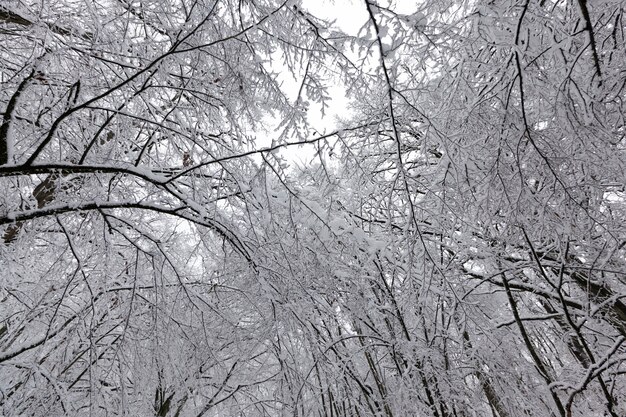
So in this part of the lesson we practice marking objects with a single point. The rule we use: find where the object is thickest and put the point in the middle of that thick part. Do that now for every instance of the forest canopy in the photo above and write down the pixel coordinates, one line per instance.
(449, 239)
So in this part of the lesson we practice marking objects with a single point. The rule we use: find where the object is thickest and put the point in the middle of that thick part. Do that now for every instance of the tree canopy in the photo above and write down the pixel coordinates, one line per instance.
(454, 244)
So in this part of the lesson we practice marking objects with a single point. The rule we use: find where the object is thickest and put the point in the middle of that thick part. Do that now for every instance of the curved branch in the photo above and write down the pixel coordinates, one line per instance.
(53, 210)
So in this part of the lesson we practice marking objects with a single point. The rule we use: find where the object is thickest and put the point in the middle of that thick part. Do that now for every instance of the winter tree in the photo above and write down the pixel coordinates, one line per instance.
(454, 246)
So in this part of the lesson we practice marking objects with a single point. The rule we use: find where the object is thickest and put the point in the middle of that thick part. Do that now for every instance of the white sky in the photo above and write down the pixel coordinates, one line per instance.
(349, 16)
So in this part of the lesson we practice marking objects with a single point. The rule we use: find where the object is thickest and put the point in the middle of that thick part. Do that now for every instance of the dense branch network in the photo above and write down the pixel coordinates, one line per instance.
(454, 245)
